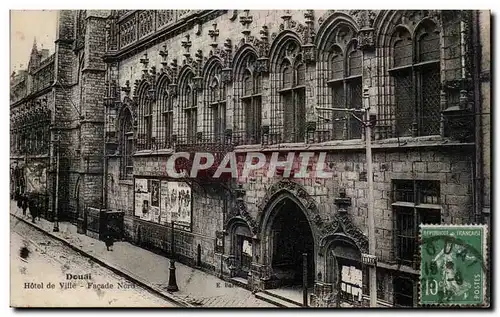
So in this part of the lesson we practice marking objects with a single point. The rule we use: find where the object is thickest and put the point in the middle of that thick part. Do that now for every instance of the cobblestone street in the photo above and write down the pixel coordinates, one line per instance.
(196, 287)
(46, 260)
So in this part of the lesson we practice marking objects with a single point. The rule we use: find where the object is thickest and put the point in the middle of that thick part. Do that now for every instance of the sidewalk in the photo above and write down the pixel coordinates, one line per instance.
(196, 288)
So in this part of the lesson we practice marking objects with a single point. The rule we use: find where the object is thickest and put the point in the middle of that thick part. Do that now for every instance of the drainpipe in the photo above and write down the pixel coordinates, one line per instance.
(105, 158)
(478, 170)
(224, 211)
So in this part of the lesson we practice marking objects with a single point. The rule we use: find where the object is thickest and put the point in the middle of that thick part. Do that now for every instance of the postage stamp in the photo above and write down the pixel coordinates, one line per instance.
(453, 265)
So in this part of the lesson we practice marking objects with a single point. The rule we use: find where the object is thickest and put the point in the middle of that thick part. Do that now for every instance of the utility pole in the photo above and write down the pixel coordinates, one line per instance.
(369, 259)
(57, 143)
(371, 219)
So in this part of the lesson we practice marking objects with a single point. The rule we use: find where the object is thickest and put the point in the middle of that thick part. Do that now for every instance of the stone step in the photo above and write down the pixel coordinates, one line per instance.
(283, 298)
(278, 301)
(239, 281)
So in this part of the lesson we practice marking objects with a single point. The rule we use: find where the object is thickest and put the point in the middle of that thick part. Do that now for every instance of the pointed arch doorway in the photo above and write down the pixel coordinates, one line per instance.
(287, 236)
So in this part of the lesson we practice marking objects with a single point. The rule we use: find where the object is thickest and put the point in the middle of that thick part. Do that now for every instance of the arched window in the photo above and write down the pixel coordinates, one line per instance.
(188, 122)
(145, 133)
(215, 100)
(166, 114)
(252, 103)
(416, 74)
(248, 107)
(292, 94)
(126, 144)
(345, 82)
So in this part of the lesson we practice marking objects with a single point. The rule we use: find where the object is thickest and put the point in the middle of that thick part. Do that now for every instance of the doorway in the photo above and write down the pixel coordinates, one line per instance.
(243, 250)
(291, 237)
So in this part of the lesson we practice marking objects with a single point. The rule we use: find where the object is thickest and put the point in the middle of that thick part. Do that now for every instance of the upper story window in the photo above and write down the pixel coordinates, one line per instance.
(188, 116)
(252, 103)
(215, 111)
(166, 114)
(248, 105)
(126, 144)
(145, 113)
(292, 93)
(417, 80)
(345, 83)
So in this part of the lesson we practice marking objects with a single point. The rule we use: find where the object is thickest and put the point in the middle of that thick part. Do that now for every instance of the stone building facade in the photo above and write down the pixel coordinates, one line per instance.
(139, 86)
(246, 81)
(31, 105)
(57, 117)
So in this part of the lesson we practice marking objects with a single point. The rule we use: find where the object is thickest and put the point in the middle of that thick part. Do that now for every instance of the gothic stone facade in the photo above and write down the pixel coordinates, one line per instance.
(31, 106)
(219, 81)
(57, 115)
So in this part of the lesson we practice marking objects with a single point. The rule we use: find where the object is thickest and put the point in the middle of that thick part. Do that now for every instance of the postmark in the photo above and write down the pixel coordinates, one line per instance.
(453, 268)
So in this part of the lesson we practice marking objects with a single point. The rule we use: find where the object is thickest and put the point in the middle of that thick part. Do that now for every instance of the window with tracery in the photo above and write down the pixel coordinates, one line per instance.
(145, 113)
(252, 103)
(127, 144)
(248, 105)
(417, 81)
(292, 93)
(165, 121)
(188, 122)
(215, 112)
(345, 84)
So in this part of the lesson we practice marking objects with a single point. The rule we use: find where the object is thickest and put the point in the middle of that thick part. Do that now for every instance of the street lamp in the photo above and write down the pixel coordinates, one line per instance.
(57, 143)
(172, 281)
(370, 259)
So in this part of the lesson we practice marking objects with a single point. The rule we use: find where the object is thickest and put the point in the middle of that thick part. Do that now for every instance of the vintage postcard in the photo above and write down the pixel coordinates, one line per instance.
(250, 158)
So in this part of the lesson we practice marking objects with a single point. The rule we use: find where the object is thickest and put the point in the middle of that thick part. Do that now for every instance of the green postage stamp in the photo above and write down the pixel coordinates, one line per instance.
(453, 265)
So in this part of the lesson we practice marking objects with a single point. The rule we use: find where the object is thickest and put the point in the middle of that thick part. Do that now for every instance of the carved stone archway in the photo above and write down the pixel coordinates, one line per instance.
(299, 193)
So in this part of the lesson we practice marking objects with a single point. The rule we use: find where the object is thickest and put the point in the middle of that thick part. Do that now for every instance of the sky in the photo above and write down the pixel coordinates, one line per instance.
(25, 26)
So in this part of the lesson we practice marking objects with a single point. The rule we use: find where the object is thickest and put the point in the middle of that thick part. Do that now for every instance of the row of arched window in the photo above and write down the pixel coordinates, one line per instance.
(414, 90)
(31, 139)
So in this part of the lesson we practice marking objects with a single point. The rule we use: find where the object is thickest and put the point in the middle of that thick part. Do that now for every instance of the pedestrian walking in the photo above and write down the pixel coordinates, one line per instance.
(25, 204)
(109, 240)
(33, 209)
(18, 198)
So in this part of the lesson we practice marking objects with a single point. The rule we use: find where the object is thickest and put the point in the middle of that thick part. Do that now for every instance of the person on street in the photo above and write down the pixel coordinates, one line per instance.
(109, 240)
(33, 209)
(25, 204)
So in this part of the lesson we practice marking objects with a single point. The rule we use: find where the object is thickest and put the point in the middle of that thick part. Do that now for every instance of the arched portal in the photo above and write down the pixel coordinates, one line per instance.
(288, 236)
(344, 269)
(241, 247)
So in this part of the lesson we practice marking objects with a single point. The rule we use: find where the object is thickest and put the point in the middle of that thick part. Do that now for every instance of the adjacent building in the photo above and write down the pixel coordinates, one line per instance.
(134, 87)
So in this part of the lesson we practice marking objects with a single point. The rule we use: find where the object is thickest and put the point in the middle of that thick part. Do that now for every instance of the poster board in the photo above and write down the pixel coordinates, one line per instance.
(160, 201)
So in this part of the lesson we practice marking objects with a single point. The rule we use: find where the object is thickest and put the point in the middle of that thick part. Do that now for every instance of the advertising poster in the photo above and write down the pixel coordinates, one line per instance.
(155, 193)
(161, 201)
(176, 203)
(36, 178)
(142, 199)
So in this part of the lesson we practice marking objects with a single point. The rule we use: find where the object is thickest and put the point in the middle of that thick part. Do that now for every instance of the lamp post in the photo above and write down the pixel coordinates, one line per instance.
(172, 281)
(370, 259)
(57, 143)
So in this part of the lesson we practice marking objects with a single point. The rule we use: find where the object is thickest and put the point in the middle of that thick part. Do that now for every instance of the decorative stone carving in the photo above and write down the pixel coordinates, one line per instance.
(186, 44)
(214, 34)
(364, 18)
(239, 209)
(342, 223)
(246, 20)
(366, 39)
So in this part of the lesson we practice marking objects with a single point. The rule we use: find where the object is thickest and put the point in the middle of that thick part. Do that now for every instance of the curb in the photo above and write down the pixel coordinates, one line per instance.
(117, 270)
